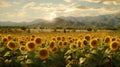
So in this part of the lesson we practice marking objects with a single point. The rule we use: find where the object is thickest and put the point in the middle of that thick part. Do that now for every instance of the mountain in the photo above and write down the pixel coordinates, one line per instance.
(9, 23)
(102, 21)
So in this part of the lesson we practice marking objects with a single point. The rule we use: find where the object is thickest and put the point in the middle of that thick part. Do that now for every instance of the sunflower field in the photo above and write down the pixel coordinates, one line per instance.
(91, 49)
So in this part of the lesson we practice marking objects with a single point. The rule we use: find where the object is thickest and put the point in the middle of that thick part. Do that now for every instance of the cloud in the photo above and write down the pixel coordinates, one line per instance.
(69, 1)
(87, 12)
(15, 16)
(29, 5)
(16, 3)
(34, 10)
(5, 3)
(81, 7)
(107, 2)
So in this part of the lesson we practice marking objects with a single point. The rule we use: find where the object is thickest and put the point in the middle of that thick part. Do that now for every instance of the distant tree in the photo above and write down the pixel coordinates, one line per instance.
(74, 30)
(70, 28)
(58, 27)
(23, 28)
(95, 30)
(64, 30)
(89, 29)
(28, 31)
(35, 28)
(55, 30)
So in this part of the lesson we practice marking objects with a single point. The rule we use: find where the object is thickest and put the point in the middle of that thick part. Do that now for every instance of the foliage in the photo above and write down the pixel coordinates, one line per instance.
(61, 50)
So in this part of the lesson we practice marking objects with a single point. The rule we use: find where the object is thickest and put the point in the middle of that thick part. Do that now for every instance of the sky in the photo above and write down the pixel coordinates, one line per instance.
(29, 10)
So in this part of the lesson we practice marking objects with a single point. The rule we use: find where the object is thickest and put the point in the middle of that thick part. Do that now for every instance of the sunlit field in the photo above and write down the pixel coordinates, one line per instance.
(59, 33)
(58, 49)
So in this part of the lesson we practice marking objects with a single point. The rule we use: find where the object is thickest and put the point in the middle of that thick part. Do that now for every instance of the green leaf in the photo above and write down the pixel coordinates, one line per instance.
(20, 58)
(68, 65)
(7, 53)
(31, 54)
(68, 52)
(2, 49)
(105, 60)
(69, 57)
(28, 61)
(82, 60)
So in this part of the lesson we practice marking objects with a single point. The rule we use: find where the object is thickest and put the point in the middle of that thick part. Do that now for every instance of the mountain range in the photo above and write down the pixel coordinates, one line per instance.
(101, 21)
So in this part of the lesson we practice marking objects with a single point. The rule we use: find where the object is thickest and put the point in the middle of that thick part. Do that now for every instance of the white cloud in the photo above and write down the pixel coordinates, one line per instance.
(33, 10)
(107, 2)
(5, 3)
(111, 2)
(86, 12)
(69, 1)
(15, 16)
(94, 1)
(29, 5)
(16, 3)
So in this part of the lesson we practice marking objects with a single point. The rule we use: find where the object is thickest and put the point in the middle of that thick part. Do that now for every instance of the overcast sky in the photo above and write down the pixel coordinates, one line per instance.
(28, 10)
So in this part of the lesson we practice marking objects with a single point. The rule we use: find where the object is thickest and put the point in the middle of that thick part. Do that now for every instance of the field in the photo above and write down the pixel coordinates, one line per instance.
(58, 49)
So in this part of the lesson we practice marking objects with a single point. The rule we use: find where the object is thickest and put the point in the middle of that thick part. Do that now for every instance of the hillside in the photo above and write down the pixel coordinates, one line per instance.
(102, 21)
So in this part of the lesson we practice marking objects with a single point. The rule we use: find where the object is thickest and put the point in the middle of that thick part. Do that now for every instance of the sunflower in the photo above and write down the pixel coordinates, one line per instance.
(118, 40)
(38, 40)
(31, 45)
(0, 35)
(58, 38)
(33, 36)
(54, 49)
(79, 43)
(11, 45)
(98, 39)
(65, 43)
(32, 39)
(60, 43)
(87, 37)
(9, 37)
(52, 44)
(22, 42)
(43, 53)
(22, 48)
(27, 38)
(85, 42)
(63, 38)
(69, 37)
(5, 40)
(114, 45)
(107, 39)
(71, 41)
(113, 39)
(76, 39)
(72, 46)
(53, 39)
(94, 43)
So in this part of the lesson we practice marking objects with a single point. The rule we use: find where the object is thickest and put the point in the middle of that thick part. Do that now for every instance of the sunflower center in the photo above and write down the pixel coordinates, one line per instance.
(114, 45)
(79, 44)
(12, 45)
(94, 43)
(107, 40)
(22, 48)
(31, 45)
(38, 40)
(43, 52)
(87, 38)
(52, 45)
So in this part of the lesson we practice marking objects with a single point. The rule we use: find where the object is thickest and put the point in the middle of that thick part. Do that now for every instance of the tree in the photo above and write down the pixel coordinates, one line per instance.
(28, 31)
(89, 29)
(64, 30)
(23, 28)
